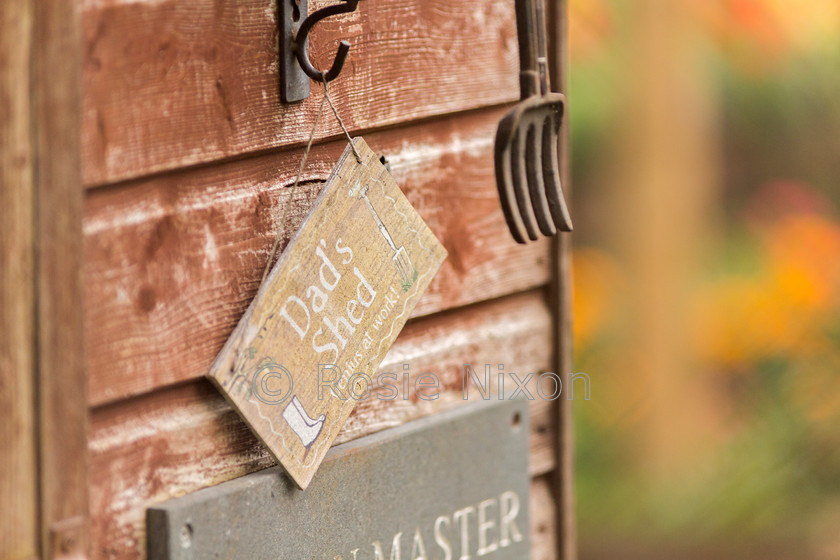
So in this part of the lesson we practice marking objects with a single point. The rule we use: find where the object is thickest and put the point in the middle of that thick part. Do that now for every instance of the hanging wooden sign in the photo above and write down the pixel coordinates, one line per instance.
(301, 356)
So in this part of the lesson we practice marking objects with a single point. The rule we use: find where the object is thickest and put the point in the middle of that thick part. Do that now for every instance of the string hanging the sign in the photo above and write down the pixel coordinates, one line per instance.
(325, 98)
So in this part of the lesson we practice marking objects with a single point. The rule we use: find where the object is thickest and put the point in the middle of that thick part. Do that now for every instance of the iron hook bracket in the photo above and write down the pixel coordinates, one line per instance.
(295, 23)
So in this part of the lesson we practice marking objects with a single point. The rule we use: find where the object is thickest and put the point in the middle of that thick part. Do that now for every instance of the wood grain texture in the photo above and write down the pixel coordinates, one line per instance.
(175, 441)
(543, 436)
(172, 262)
(173, 83)
(544, 519)
(18, 481)
(59, 332)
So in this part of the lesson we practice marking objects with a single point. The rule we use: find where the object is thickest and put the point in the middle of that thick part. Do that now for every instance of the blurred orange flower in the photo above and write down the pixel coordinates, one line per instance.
(785, 308)
(757, 35)
(590, 24)
(597, 280)
(804, 251)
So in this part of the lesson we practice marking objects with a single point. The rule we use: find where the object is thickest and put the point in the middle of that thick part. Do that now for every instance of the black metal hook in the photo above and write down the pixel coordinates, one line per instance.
(345, 7)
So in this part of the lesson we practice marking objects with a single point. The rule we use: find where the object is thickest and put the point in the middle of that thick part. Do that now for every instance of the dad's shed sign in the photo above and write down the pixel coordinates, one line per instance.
(328, 311)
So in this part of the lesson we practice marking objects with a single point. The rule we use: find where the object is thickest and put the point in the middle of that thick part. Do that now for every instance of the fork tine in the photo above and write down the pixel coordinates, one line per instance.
(504, 182)
(551, 169)
(536, 186)
(520, 184)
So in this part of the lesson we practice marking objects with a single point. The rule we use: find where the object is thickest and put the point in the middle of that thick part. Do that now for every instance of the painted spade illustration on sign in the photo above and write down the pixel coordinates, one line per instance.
(327, 313)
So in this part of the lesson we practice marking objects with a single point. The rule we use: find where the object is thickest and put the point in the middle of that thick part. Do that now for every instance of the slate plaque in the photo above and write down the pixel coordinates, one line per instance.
(454, 485)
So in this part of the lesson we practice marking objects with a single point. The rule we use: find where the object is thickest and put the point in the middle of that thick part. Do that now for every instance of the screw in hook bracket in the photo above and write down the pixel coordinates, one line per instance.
(295, 23)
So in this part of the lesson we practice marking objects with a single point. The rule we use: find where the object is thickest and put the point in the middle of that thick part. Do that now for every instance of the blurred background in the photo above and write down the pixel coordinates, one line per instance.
(706, 166)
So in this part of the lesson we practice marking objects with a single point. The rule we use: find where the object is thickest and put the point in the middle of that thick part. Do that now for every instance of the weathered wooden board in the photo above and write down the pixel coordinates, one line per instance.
(172, 262)
(453, 483)
(19, 534)
(172, 442)
(172, 83)
(543, 519)
(301, 356)
(62, 415)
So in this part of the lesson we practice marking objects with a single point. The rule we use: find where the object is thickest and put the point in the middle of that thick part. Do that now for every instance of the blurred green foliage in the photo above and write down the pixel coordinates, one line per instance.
(766, 333)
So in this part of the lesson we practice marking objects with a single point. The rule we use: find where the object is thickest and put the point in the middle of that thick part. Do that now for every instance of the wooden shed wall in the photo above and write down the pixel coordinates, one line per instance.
(187, 159)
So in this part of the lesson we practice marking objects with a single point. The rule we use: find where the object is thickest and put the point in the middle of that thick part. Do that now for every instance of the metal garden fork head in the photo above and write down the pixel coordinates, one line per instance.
(527, 140)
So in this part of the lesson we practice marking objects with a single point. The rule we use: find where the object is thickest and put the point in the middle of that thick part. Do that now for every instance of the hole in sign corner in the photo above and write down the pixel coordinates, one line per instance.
(516, 421)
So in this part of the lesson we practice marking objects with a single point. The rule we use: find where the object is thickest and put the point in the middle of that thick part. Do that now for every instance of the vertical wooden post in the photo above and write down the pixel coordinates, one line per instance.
(18, 468)
(58, 203)
(665, 167)
(561, 295)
